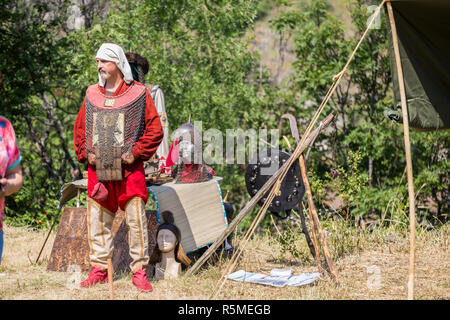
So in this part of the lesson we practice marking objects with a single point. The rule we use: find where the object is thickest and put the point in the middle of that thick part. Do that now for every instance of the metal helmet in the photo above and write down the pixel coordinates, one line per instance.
(189, 143)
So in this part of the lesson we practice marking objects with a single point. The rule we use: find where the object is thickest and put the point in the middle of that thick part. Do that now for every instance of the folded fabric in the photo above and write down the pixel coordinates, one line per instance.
(272, 281)
(99, 193)
(302, 279)
(173, 154)
(281, 273)
(242, 275)
(277, 278)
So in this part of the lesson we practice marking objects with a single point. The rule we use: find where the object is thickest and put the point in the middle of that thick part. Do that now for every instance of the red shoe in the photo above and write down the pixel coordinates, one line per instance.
(95, 276)
(139, 279)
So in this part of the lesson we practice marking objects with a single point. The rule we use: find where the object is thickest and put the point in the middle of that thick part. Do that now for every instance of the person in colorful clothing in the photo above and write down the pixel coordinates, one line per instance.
(10, 169)
(116, 129)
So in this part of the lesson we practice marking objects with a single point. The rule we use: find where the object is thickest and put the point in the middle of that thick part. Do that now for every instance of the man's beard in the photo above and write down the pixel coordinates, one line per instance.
(104, 75)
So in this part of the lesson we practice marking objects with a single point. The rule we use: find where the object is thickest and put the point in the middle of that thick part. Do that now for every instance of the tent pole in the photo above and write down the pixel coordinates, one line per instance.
(412, 214)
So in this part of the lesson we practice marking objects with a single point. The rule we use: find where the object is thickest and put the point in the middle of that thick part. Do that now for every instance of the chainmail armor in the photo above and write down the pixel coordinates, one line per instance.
(106, 121)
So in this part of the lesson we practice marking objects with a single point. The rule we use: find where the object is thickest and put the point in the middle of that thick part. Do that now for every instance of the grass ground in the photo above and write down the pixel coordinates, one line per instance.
(370, 265)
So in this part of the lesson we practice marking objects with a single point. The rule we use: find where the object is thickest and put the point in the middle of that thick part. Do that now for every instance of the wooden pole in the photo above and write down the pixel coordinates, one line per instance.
(253, 201)
(312, 222)
(315, 219)
(78, 197)
(412, 213)
(305, 230)
(313, 245)
(110, 279)
(48, 235)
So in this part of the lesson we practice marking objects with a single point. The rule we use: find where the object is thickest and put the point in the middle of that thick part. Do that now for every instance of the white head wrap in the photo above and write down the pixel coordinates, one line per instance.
(113, 52)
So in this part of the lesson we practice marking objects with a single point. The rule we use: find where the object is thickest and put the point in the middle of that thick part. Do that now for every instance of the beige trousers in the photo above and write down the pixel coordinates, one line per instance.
(100, 238)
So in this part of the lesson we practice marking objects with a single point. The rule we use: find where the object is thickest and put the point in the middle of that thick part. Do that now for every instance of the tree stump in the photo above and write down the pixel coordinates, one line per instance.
(71, 245)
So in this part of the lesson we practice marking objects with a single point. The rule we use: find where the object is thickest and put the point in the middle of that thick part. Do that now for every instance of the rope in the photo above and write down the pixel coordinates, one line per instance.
(261, 213)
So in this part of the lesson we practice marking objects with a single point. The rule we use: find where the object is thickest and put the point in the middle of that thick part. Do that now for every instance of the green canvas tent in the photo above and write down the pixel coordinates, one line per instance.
(423, 29)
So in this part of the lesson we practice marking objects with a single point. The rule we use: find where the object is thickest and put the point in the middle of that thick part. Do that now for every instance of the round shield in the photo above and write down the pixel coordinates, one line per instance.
(262, 169)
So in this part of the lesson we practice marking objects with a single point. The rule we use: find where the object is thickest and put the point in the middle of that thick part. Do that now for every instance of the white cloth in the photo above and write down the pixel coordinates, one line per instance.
(113, 52)
(158, 98)
(277, 278)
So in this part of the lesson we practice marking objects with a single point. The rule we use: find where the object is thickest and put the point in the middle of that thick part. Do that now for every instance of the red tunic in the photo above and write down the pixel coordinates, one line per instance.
(142, 150)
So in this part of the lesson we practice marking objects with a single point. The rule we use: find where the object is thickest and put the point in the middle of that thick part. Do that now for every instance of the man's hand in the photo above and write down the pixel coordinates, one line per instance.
(128, 158)
(12, 182)
(3, 183)
(91, 159)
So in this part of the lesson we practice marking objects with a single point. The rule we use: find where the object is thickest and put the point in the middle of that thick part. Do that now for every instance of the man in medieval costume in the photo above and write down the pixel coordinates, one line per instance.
(116, 130)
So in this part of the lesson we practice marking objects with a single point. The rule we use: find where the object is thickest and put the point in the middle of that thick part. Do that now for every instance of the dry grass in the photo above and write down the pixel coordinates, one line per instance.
(354, 254)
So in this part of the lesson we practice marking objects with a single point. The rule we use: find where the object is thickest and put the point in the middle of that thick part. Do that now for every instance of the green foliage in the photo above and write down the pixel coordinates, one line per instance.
(432, 174)
(349, 183)
(318, 186)
(287, 235)
(199, 56)
(289, 240)
(287, 20)
(365, 149)
(342, 239)
(321, 51)
(29, 52)
(32, 70)
(263, 8)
